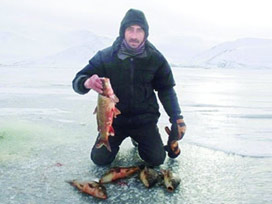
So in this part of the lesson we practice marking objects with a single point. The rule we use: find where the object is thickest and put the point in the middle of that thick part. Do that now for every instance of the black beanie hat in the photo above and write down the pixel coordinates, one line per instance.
(132, 17)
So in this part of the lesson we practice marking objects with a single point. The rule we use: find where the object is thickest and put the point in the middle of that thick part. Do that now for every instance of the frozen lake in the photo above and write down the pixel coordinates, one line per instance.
(47, 130)
(228, 110)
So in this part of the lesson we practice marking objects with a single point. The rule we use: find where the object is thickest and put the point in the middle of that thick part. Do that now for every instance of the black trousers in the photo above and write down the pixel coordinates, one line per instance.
(150, 145)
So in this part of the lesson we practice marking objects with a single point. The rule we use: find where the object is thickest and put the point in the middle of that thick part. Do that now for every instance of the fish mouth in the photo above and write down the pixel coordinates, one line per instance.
(170, 188)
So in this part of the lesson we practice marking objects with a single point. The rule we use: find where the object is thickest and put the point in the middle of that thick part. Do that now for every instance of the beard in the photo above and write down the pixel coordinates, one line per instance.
(134, 41)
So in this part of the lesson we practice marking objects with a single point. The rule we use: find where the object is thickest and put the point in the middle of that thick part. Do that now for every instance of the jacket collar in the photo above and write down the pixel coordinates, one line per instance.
(117, 44)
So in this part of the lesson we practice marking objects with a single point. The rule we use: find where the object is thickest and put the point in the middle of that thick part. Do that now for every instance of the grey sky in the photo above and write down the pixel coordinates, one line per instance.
(214, 20)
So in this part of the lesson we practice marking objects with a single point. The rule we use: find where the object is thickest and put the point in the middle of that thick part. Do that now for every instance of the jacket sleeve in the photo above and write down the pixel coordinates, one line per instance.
(95, 66)
(169, 100)
(164, 83)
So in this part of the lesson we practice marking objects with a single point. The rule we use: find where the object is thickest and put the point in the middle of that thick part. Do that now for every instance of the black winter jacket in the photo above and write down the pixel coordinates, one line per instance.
(134, 80)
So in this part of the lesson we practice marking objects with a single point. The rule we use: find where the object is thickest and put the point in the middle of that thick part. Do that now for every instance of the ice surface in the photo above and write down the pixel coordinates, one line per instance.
(46, 136)
(229, 110)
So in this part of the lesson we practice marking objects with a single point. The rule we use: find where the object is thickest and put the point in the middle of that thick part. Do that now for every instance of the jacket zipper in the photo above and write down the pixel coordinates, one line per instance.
(131, 84)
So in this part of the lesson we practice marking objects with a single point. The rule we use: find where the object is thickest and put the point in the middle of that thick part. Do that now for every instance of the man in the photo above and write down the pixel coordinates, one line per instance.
(135, 68)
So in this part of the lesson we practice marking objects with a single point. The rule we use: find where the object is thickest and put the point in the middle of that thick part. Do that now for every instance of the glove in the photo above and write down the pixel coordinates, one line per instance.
(178, 129)
(172, 146)
(176, 133)
(95, 83)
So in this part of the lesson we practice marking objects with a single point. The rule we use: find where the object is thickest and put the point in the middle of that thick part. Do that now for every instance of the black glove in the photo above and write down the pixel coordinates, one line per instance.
(176, 133)
(178, 129)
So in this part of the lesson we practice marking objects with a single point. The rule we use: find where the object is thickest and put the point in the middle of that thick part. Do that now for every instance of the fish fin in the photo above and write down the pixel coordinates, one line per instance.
(106, 143)
(111, 131)
(116, 112)
(95, 110)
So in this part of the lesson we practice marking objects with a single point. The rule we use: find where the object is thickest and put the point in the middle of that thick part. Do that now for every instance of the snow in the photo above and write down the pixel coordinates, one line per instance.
(16, 47)
(242, 53)
(76, 47)
(180, 48)
(55, 50)
(76, 56)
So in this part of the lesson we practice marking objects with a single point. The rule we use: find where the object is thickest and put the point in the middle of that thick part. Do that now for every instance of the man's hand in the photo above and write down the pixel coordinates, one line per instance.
(176, 133)
(95, 83)
(172, 145)
(178, 130)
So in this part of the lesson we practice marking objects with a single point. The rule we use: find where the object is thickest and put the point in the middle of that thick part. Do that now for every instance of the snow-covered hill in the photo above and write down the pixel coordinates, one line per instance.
(84, 44)
(14, 47)
(75, 48)
(72, 57)
(81, 37)
(70, 49)
(246, 52)
(178, 49)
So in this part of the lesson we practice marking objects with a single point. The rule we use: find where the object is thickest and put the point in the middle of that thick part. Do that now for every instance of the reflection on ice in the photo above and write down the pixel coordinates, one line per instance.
(34, 90)
(31, 111)
(228, 110)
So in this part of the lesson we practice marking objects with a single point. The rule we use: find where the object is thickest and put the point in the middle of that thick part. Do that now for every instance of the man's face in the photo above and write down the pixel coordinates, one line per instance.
(134, 36)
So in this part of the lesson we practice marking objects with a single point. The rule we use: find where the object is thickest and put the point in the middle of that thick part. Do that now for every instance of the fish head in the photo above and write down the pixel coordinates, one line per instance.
(143, 177)
(101, 191)
(96, 189)
(171, 181)
(108, 91)
(166, 173)
(149, 177)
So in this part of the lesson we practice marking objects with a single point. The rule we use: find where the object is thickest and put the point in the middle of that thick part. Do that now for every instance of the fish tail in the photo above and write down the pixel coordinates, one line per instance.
(72, 182)
(105, 143)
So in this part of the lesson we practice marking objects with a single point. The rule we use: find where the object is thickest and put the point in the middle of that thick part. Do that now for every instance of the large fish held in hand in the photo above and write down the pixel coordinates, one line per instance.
(105, 112)
(92, 188)
(116, 173)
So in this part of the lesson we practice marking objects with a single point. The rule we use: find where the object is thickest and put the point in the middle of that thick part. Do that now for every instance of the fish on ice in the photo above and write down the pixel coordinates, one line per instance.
(171, 181)
(92, 188)
(150, 177)
(117, 173)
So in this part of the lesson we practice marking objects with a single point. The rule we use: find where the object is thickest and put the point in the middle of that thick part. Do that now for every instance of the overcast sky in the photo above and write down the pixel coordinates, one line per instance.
(214, 20)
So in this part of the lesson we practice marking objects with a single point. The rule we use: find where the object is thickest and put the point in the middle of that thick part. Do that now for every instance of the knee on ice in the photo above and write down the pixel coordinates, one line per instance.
(154, 159)
(100, 160)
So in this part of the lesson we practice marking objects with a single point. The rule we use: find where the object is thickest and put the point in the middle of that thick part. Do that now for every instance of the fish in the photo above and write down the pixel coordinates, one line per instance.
(92, 188)
(149, 176)
(117, 173)
(171, 181)
(105, 112)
